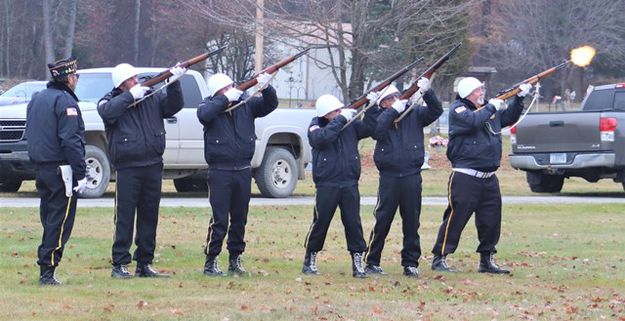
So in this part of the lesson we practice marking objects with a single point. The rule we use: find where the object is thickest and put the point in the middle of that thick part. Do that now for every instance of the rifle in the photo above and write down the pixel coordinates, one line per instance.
(427, 74)
(186, 64)
(356, 103)
(271, 69)
(512, 91)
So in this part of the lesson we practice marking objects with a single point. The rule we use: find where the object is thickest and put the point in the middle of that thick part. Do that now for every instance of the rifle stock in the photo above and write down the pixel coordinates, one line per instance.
(270, 70)
(186, 64)
(363, 98)
(512, 91)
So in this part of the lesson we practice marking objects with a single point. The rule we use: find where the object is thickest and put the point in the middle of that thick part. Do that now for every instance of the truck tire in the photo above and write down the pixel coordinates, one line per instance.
(541, 183)
(277, 175)
(190, 184)
(98, 172)
(10, 185)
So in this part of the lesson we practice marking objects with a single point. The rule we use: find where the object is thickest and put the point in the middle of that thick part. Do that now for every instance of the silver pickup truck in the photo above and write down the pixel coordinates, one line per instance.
(282, 149)
(589, 143)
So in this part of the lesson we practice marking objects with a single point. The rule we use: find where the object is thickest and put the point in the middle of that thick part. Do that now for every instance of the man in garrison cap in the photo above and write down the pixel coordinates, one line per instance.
(56, 146)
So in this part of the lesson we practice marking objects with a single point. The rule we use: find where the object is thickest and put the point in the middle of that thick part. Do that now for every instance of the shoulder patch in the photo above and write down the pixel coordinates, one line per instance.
(313, 128)
(71, 111)
(460, 109)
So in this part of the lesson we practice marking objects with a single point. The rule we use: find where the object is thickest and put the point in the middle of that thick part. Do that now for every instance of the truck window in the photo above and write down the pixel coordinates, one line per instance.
(599, 100)
(92, 87)
(619, 100)
(190, 91)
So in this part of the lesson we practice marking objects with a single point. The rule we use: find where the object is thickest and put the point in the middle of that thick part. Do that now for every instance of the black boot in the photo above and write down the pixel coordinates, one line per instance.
(46, 276)
(310, 263)
(439, 263)
(234, 265)
(358, 265)
(146, 271)
(120, 272)
(374, 269)
(411, 271)
(487, 264)
(211, 266)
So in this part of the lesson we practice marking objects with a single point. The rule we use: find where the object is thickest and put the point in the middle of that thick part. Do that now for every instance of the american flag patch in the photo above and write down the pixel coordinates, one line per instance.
(460, 109)
(313, 128)
(71, 111)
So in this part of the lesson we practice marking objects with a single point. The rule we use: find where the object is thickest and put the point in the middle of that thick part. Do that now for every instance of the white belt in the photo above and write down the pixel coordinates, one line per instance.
(474, 173)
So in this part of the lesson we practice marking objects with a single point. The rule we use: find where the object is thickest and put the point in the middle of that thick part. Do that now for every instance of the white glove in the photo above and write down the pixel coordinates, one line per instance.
(524, 89)
(263, 79)
(400, 105)
(348, 113)
(138, 91)
(424, 84)
(82, 186)
(373, 96)
(176, 73)
(498, 103)
(233, 94)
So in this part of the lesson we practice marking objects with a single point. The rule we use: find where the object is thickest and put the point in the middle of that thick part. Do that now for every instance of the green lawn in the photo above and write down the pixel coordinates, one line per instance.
(567, 260)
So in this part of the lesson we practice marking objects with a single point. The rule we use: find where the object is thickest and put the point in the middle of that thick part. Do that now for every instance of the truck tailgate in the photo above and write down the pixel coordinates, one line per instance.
(561, 132)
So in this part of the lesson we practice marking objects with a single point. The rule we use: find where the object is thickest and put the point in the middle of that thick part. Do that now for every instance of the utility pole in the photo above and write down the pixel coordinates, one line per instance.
(258, 58)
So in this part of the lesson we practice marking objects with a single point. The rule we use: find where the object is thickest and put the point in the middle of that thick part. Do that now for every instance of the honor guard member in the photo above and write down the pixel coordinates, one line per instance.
(229, 143)
(399, 156)
(56, 138)
(474, 151)
(336, 170)
(133, 118)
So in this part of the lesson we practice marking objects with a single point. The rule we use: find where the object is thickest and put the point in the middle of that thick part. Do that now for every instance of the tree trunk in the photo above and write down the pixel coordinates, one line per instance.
(71, 27)
(47, 36)
(137, 29)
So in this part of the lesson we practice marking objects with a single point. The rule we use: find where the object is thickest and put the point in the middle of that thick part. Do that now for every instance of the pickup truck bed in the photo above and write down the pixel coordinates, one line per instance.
(589, 143)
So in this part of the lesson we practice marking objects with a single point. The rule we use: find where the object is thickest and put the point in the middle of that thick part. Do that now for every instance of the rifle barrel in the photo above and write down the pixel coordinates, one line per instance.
(186, 64)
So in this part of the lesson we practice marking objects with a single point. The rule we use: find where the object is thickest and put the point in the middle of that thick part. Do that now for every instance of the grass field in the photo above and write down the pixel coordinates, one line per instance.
(567, 261)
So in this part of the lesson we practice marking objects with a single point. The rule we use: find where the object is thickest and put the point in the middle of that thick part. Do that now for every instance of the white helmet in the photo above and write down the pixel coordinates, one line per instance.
(391, 89)
(326, 104)
(467, 85)
(122, 72)
(217, 82)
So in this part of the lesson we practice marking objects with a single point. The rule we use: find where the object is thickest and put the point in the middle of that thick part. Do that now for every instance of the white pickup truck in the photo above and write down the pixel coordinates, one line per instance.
(282, 149)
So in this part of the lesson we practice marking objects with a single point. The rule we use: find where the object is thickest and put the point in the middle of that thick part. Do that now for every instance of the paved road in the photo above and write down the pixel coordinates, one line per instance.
(259, 201)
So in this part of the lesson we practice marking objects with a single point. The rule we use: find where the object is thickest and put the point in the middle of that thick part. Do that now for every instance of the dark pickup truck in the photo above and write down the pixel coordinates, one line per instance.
(589, 143)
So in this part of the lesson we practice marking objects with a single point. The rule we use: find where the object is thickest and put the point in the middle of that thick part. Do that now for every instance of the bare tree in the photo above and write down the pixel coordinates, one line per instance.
(47, 34)
(373, 38)
(535, 35)
(137, 29)
(71, 28)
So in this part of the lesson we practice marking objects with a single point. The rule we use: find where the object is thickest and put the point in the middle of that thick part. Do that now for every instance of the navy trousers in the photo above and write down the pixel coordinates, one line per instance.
(229, 195)
(405, 193)
(468, 195)
(57, 213)
(326, 201)
(138, 190)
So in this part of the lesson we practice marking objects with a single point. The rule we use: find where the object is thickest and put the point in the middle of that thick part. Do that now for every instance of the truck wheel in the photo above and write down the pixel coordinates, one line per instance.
(541, 183)
(190, 184)
(98, 172)
(10, 185)
(277, 175)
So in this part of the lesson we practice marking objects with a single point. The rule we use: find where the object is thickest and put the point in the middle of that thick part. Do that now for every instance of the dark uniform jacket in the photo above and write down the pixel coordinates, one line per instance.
(229, 137)
(55, 130)
(472, 139)
(136, 135)
(399, 150)
(336, 161)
